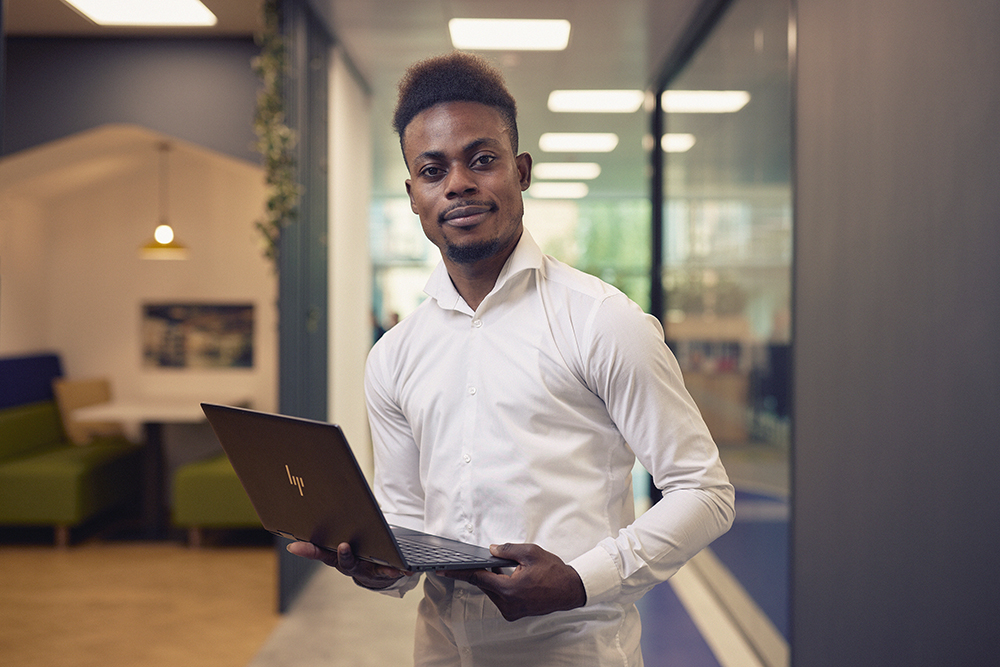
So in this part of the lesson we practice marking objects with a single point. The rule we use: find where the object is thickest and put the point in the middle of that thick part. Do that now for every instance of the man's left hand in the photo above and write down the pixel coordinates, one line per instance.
(541, 584)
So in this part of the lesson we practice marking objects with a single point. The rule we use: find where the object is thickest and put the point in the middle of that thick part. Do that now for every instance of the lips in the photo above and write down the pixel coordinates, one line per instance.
(466, 214)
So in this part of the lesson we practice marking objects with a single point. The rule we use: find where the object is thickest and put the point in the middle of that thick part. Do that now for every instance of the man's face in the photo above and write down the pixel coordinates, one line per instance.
(465, 182)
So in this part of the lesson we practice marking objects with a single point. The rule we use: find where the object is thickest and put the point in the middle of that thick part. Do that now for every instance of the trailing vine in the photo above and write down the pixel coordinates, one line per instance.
(275, 140)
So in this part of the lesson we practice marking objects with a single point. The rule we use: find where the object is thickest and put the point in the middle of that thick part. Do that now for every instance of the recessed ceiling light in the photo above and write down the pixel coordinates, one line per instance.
(558, 190)
(595, 101)
(509, 34)
(145, 12)
(704, 101)
(566, 171)
(677, 143)
(578, 142)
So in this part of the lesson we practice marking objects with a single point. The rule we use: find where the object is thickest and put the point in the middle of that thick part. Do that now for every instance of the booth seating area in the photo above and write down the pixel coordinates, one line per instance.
(55, 471)
(46, 479)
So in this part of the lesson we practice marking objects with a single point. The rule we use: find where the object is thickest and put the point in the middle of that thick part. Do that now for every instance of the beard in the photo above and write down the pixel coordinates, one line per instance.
(476, 251)
(473, 252)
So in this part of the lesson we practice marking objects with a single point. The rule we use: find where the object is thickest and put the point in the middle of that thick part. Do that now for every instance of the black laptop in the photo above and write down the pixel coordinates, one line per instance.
(305, 484)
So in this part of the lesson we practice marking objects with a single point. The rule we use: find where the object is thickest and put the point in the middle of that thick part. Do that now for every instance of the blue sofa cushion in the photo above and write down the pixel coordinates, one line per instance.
(28, 379)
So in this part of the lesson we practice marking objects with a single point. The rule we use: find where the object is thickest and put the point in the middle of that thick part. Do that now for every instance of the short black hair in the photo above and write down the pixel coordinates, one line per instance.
(455, 77)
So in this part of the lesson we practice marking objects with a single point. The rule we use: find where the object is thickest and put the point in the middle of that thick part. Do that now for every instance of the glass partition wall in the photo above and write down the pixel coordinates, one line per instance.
(726, 269)
(728, 222)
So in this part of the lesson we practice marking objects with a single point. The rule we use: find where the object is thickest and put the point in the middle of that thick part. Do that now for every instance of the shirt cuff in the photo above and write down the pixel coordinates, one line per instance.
(600, 576)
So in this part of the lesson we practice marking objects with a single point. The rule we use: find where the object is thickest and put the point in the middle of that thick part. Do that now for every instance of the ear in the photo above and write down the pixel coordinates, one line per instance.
(409, 193)
(523, 162)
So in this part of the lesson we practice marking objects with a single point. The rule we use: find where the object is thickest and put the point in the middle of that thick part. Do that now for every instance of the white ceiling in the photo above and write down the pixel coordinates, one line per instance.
(613, 44)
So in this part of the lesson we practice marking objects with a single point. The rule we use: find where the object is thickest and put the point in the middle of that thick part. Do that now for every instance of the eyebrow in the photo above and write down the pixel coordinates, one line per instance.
(467, 148)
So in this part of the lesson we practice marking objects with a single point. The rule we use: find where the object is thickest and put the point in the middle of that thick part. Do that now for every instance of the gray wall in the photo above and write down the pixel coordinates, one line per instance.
(896, 519)
(200, 90)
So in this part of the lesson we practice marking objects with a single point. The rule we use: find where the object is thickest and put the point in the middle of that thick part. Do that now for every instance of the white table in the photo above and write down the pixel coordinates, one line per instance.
(145, 410)
(153, 413)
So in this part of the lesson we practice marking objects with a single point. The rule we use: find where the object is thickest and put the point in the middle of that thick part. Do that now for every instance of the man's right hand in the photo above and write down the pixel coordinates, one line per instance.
(364, 573)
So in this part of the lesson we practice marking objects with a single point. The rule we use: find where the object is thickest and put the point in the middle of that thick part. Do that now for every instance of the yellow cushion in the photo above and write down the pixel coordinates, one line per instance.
(73, 394)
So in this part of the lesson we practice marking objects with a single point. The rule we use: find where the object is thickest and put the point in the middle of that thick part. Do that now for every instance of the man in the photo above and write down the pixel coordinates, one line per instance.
(509, 409)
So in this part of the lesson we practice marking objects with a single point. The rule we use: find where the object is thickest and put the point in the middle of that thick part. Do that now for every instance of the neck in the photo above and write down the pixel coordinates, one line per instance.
(474, 280)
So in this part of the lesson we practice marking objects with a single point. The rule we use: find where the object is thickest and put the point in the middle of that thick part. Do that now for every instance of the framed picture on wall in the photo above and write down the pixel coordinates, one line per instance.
(197, 335)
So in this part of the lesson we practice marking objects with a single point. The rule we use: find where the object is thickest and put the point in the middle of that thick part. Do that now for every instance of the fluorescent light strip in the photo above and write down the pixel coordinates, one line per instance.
(578, 142)
(595, 101)
(566, 171)
(704, 101)
(677, 143)
(558, 190)
(145, 12)
(509, 34)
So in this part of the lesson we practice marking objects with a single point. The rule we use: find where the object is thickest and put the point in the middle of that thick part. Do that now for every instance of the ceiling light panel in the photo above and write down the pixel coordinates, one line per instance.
(509, 34)
(566, 171)
(595, 101)
(677, 143)
(145, 12)
(578, 142)
(704, 101)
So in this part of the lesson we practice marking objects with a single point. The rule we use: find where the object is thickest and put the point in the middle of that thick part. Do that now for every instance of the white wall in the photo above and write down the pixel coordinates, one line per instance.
(350, 260)
(71, 221)
(23, 280)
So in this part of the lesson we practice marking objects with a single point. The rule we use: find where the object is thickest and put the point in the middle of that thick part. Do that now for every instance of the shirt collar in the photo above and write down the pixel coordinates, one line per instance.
(526, 256)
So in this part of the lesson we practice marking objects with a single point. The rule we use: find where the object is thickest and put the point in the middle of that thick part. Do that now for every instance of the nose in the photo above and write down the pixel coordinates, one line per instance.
(461, 182)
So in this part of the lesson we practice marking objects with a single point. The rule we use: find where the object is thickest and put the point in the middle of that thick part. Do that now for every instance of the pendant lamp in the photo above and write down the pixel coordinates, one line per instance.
(163, 245)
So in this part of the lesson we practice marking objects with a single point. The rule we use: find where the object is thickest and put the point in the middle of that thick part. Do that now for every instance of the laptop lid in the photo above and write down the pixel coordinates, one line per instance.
(305, 484)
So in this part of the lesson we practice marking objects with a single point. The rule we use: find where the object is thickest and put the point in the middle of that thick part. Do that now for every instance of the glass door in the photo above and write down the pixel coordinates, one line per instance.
(726, 270)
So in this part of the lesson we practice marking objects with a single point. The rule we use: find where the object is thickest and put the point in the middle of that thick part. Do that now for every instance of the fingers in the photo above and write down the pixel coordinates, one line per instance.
(522, 553)
(346, 562)
(364, 573)
(541, 583)
(312, 552)
(343, 559)
(496, 579)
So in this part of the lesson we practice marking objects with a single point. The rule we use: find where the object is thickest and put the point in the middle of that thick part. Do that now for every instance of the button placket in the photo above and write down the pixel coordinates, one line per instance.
(466, 519)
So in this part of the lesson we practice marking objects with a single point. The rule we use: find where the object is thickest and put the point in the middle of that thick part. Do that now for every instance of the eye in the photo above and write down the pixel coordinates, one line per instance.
(482, 160)
(431, 171)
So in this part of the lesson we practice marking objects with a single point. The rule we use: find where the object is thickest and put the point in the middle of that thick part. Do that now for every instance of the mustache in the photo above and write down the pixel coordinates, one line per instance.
(467, 203)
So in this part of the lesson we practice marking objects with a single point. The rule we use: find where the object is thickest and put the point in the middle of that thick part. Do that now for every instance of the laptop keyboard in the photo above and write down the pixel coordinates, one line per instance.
(417, 552)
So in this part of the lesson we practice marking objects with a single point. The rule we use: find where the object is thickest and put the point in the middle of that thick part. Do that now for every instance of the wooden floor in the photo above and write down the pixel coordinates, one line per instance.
(142, 604)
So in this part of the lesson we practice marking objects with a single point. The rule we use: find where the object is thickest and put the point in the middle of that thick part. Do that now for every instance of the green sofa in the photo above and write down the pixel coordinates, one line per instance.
(47, 480)
(208, 494)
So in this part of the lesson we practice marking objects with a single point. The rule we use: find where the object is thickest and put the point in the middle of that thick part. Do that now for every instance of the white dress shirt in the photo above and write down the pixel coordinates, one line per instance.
(520, 422)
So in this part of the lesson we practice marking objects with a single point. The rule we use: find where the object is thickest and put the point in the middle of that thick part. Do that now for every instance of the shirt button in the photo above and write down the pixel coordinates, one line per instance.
(472, 391)
(469, 528)
(477, 323)
(467, 458)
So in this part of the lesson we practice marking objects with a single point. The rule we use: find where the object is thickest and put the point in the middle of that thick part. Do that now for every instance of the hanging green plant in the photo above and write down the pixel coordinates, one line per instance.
(275, 140)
